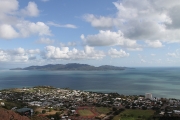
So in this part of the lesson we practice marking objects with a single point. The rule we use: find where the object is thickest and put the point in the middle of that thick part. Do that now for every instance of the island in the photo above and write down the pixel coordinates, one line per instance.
(71, 67)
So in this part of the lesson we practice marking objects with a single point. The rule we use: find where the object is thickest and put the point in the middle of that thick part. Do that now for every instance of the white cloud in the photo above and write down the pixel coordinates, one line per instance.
(3, 56)
(64, 53)
(143, 61)
(45, 41)
(154, 20)
(175, 18)
(82, 36)
(20, 58)
(135, 49)
(27, 28)
(71, 43)
(172, 54)
(8, 6)
(35, 51)
(7, 32)
(19, 51)
(115, 53)
(62, 45)
(97, 21)
(109, 38)
(31, 10)
(56, 53)
(154, 44)
(18, 55)
(68, 44)
(104, 38)
(59, 25)
(170, 61)
(153, 54)
(12, 25)
(45, 0)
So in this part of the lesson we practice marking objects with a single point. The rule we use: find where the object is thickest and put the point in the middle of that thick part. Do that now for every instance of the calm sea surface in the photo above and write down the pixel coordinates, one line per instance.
(161, 82)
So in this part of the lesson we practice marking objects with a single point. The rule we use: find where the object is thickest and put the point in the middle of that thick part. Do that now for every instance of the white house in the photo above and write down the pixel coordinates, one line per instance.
(148, 96)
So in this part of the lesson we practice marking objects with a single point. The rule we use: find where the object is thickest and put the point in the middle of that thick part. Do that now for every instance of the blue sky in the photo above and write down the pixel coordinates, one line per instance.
(113, 32)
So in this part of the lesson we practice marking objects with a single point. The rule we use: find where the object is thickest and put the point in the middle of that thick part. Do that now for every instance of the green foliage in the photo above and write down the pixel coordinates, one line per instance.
(77, 115)
(36, 112)
(114, 108)
(43, 111)
(10, 104)
(58, 113)
(130, 114)
(103, 110)
(85, 112)
(50, 109)
(144, 108)
(127, 107)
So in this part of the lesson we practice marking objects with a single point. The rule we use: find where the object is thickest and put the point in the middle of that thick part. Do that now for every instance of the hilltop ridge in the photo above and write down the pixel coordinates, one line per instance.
(71, 66)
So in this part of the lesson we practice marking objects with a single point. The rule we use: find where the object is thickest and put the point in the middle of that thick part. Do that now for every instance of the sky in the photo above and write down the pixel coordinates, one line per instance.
(129, 33)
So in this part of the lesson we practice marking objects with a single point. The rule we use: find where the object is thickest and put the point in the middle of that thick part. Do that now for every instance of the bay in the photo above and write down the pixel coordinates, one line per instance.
(161, 82)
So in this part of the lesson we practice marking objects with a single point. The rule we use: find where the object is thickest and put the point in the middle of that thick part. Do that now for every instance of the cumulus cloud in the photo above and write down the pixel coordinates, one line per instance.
(109, 38)
(82, 37)
(155, 20)
(12, 25)
(97, 21)
(104, 38)
(18, 51)
(8, 32)
(68, 44)
(153, 54)
(44, 0)
(117, 54)
(172, 54)
(52, 52)
(135, 49)
(18, 55)
(3, 56)
(154, 44)
(31, 10)
(8, 6)
(143, 61)
(71, 43)
(27, 28)
(33, 51)
(59, 25)
(45, 41)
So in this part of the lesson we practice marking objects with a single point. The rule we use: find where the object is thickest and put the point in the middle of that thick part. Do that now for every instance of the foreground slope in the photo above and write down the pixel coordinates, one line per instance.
(11, 115)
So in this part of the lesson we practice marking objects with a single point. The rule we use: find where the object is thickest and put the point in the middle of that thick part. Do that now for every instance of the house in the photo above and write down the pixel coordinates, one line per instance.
(2, 104)
(25, 111)
(176, 112)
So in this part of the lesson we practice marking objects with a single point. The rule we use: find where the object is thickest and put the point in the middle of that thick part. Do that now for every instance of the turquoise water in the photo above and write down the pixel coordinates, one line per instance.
(161, 82)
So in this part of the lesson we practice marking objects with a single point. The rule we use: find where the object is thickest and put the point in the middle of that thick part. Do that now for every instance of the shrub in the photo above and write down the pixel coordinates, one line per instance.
(43, 111)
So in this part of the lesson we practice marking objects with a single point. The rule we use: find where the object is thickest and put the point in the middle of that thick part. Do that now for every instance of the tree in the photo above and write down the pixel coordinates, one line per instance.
(144, 108)
(114, 109)
(36, 112)
(43, 111)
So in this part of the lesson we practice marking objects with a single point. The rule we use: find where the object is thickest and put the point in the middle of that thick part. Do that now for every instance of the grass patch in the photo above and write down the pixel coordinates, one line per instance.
(103, 110)
(122, 118)
(85, 113)
(134, 114)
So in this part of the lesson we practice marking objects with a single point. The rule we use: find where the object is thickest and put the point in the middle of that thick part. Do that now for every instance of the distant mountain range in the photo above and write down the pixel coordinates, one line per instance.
(71, 66)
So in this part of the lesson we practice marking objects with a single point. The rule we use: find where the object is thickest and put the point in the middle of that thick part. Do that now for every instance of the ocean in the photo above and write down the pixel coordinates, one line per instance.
(161, 82)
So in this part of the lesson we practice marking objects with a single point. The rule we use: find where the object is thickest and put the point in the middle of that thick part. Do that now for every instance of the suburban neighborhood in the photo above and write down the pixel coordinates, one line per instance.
(67, 104)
